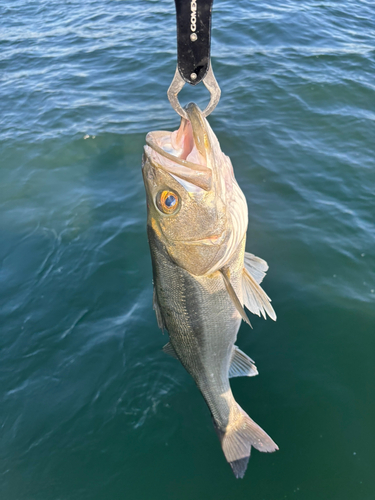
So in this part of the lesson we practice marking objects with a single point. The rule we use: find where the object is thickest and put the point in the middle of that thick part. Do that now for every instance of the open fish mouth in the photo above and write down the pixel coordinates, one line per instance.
(183, 153)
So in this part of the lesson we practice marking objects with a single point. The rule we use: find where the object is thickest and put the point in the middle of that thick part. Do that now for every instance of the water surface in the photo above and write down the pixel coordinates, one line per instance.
(90, 407)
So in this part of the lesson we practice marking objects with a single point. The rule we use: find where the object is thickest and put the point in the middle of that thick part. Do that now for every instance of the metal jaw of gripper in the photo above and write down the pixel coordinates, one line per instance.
(209, 82)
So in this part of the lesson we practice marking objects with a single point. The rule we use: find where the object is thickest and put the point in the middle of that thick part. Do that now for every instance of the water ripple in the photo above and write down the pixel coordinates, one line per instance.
(90, 405)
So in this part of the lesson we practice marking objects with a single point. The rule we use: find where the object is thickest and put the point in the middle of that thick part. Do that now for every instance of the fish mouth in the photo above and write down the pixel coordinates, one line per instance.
(184, 153)
(215, 240)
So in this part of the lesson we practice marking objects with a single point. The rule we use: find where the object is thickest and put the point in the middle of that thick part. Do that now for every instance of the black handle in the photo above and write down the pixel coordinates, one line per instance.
(193, 38)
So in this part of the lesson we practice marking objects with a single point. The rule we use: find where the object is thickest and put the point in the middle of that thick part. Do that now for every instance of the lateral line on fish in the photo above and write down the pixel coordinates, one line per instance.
(235, 299)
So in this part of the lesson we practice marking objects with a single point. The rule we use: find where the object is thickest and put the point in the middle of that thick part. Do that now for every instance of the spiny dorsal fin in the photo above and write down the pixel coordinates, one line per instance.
(241, 365)
(168, 349)
(255, 298)
(256, 266)
(156, 307)
(233, 296)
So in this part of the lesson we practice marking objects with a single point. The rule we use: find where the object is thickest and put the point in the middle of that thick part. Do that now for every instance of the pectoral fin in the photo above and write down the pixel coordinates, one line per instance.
(233, 296)
(255, 298)
(256, 266)
(241, 365)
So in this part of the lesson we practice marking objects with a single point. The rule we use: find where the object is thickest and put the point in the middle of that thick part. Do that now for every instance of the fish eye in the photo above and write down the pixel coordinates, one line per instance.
(168, 202)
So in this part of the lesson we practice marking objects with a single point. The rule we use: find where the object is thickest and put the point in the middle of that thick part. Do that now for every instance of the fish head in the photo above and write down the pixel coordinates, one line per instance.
(195, 206)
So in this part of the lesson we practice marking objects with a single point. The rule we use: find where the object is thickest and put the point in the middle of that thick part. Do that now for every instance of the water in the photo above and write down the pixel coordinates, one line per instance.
(90, 408)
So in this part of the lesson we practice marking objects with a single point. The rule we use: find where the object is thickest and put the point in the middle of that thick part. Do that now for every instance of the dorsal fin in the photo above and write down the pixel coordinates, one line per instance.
(255, 298)
(168, 349)
(241, 365)
(256, 266)
(235, 299)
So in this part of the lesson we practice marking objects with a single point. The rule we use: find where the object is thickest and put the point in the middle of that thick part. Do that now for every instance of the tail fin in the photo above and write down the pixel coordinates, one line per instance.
(240, 435)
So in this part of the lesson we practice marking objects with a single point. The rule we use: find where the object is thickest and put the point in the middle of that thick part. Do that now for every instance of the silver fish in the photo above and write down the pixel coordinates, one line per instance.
(203, 278)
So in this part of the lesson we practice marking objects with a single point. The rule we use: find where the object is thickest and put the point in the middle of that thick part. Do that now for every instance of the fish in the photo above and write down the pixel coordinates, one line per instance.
(203, 278)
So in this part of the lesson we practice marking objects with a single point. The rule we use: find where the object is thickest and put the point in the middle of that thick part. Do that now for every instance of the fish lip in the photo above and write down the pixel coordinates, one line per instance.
(197, 122)
(200, 138)
(185, 163)
(195, 173)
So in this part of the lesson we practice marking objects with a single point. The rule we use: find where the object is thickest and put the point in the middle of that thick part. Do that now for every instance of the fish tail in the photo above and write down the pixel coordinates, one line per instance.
(239, 436)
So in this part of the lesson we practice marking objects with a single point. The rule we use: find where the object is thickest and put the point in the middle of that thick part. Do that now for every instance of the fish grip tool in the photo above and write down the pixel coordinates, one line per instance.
(193, 53)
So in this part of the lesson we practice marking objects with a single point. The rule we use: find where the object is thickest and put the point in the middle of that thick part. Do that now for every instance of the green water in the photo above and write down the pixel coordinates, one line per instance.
(90, 407)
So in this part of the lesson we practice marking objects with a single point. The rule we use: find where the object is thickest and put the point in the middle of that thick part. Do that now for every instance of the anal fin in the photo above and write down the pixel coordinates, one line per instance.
(241, 365)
